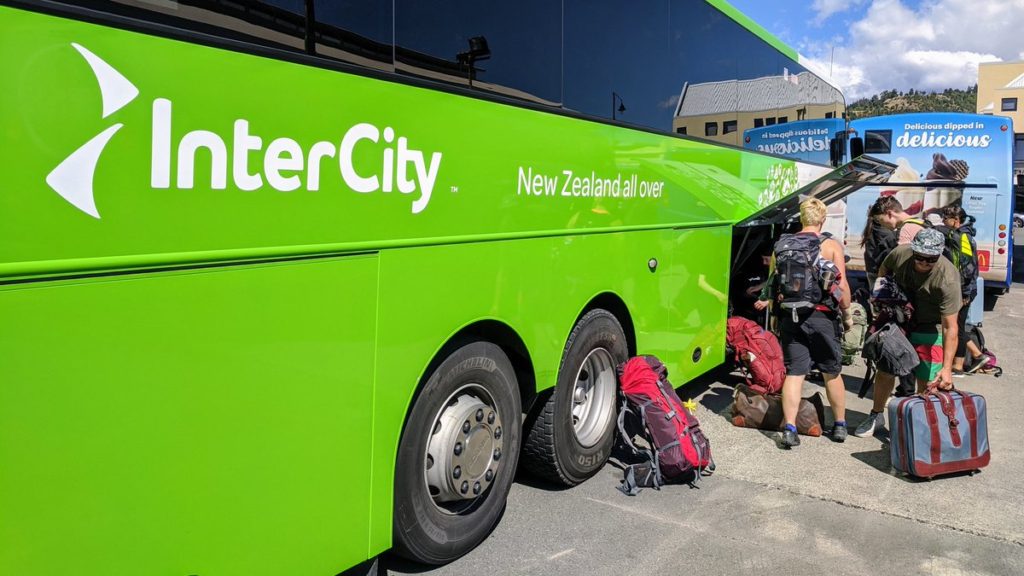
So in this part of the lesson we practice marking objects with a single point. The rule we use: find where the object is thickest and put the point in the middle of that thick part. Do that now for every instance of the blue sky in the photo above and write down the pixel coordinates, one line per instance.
(902, 44)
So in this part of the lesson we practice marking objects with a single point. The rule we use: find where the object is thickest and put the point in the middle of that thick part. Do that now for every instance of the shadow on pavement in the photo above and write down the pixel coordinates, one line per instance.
(878, 459)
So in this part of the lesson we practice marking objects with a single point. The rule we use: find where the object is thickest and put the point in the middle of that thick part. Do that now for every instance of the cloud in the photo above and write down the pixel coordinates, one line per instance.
(825, 9)
(935, 46)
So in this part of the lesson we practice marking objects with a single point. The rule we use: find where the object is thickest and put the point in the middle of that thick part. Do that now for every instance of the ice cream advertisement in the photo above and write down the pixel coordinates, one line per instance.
(942, 148)
(806, 140)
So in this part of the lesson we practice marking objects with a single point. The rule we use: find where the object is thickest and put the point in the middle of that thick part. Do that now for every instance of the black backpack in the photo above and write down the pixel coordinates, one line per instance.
(799, 270)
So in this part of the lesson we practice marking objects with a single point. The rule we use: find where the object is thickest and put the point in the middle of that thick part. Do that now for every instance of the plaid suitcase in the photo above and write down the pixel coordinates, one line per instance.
(938, 433)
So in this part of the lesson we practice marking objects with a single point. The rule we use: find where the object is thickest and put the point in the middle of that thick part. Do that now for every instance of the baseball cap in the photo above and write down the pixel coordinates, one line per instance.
(928, 242)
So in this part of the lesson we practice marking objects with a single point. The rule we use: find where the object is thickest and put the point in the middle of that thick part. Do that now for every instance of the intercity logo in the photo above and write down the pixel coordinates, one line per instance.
(286, 165)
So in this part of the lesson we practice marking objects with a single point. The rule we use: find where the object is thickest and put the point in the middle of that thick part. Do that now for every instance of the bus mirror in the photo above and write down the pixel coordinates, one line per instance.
(835, 151)
(856, 147)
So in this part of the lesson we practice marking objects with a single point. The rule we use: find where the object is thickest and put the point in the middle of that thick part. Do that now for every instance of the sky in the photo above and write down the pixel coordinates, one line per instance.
(876, 45)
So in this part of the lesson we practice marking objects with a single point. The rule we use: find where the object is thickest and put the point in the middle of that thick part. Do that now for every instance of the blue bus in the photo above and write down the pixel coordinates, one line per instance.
(943, 159)
(805, 140)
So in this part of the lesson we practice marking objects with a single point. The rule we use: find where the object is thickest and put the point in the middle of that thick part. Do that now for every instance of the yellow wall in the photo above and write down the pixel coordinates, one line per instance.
(992, 78)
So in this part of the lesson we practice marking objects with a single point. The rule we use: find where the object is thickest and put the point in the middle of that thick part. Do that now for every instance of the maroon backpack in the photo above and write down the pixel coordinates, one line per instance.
(758, 352)
(679, 450)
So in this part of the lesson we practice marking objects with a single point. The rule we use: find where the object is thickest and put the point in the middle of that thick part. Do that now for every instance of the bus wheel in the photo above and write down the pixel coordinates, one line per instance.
(457, 457)
(571, 436)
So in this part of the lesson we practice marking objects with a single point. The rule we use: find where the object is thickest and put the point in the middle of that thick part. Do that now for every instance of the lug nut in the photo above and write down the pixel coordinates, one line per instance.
(489, 476)
(476, 488)
(465, 427)
(465, 487)
(490, 418)
(458, 448)
(457, 472)
(479, 415)
(497, 453)
(497, 433)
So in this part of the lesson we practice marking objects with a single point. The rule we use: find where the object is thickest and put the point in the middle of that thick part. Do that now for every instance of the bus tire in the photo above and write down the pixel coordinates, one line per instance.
(571, 435)
(457, 456)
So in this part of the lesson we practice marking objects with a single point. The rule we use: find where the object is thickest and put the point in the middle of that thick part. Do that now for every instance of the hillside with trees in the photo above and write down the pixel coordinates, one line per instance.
(896, 102)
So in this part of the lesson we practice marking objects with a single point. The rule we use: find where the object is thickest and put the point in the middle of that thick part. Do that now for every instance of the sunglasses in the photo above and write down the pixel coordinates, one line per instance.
(926, 259)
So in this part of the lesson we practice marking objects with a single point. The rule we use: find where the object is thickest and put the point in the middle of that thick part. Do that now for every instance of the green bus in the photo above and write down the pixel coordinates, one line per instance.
(285, 284)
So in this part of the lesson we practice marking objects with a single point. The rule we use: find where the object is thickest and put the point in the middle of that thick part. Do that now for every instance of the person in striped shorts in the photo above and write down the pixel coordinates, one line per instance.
(933, 285)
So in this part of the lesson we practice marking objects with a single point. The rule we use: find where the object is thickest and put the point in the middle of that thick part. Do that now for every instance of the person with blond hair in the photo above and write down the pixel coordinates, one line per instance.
(809, 281)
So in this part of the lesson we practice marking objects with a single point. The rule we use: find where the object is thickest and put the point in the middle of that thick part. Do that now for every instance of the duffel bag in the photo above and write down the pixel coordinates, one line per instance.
(751, 409)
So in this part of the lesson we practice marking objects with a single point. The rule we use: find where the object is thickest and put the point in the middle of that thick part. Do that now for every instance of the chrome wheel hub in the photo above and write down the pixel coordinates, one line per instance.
(464, 450)
(593, 397)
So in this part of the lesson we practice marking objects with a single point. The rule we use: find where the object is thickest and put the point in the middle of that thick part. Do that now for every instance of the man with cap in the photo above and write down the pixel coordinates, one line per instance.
(933, 285)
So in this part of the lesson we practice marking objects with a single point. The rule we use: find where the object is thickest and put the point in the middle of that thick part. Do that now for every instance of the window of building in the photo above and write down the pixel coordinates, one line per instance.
(711, 128)
(769, 121)
(783, 119)
(877, 141)
(1009, 104)
(728, 126)
(830, 114)
(758, 122)
(681, 130)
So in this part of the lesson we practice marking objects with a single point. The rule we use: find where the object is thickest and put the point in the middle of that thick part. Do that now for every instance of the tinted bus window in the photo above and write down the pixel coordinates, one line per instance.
(726, 74)
(877, 141)
(513, 49)
(634, 68)
(276, 23)
(357, 32)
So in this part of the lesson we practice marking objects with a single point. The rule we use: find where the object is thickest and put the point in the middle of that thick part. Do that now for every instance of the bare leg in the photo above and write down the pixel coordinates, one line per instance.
(836, 392)
(792, 389)
(884, 383)
(973, 349)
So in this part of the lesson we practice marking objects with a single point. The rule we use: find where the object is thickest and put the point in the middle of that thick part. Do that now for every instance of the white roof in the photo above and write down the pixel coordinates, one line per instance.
(1017, 82)
(755, 95)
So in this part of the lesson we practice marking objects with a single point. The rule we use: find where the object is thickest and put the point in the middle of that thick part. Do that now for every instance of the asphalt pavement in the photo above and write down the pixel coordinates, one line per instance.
(822, 508)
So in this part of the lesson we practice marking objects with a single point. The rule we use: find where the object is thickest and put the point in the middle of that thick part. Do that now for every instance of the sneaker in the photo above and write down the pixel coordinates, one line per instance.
(790, 439)
(838, 433)
(869, 425)
(978, 363)
(959, 374)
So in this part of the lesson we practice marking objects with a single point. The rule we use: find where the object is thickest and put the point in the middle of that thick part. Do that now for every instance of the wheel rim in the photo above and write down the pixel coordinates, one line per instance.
(464, 452)
(593, 397)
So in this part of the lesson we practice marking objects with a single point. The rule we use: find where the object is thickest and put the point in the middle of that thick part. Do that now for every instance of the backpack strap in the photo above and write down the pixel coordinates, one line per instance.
(629, 485)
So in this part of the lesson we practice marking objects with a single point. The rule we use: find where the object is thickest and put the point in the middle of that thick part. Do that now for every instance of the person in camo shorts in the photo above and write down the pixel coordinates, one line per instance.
(933, 285)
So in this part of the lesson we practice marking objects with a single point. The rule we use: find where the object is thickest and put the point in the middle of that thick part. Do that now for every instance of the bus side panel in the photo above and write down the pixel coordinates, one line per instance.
(199, 422)
(539, 287)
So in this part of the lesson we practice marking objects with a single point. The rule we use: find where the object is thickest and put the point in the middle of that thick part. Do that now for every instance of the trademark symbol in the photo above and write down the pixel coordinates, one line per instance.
(455, 189)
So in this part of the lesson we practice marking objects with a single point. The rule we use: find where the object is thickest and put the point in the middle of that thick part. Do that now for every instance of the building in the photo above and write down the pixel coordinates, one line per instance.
(1001, 92)
(721, 111)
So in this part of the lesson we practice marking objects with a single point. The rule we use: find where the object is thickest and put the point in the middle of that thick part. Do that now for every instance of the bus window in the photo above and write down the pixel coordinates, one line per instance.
(275, 23)
(877, 141)
(360, 33)
(512, 49)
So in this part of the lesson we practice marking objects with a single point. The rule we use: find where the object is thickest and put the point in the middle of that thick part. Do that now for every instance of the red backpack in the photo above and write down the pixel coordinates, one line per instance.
(758, 351)
(680, 451)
